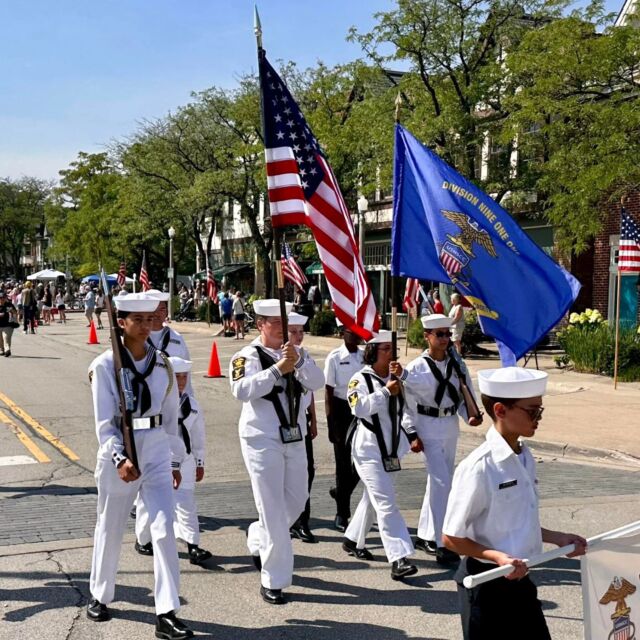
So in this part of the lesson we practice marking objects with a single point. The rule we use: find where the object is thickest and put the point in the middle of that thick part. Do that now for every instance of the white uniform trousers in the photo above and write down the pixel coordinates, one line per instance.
(115, 499)
(279, 479)
(379, 502)
(185, 516)
(439, 458)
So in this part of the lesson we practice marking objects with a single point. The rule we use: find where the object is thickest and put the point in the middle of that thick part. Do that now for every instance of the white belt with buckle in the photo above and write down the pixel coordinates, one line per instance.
(145, 423)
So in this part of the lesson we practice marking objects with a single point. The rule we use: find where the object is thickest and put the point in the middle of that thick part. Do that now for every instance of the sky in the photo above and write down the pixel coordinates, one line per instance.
(77, 74)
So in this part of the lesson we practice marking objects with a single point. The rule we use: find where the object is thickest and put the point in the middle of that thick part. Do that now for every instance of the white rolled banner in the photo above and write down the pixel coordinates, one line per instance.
(498, 572)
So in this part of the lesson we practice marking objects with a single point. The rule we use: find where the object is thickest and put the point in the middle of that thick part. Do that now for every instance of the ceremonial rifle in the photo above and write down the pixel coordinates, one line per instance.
(123, 382)
(473, 411)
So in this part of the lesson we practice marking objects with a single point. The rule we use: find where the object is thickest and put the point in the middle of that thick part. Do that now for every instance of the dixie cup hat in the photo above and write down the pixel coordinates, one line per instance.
(512, 382)
(270, 307)
(140, 302)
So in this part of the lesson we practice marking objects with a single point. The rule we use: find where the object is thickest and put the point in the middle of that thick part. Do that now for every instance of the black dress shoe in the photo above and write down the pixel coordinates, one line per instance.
(402, 568)
(333, 492)
(302, 532)
(198, 555)
(272, 596)
(445, 556)
(350, 547)
(97, 611)
(144, 549)
(7, 354)
(170, 628)
(341, 523)
(428, 546)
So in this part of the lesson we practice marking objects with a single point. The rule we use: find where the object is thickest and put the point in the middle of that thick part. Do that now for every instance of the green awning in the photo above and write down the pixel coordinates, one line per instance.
(314, 269)
(220, 272)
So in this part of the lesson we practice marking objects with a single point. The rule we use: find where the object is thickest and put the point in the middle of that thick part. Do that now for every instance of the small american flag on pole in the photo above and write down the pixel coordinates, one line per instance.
(303, 190)
(144, 276)
(212, 287)
(122, 274)
(629, 250)
(411, 294)
(290, 268)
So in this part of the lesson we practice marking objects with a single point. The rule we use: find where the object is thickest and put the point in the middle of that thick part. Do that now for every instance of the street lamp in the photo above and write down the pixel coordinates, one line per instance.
(363, 206)
(172, 235)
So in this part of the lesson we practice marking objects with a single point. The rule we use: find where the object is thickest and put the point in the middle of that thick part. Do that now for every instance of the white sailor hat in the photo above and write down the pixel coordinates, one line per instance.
(180, 365)
(383, 336)
(140, 302)
(512, 382)
(270, 307)
(436, 321)
(162, 296)
(297, 319)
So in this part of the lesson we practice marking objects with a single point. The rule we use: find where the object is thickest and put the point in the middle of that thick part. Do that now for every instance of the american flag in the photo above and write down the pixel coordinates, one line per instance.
(629, 251)
(290, 268)
(212, 287)
(144, 276)
(304, 191)
(411, 294)
(122, 274)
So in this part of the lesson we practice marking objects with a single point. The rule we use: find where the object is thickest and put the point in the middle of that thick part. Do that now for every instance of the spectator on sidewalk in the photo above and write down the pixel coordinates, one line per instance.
(29, 306)
(8, 313)
(238, 315)
(99, 307)
(60, 305)
(226, 308)
(89, 305)
(456, 313)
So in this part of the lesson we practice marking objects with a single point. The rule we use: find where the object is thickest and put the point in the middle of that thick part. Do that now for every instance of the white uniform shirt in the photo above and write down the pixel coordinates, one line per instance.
(339, 367)
(176, 345)
(494, 499)
(194, 423)
(106, 405)
(364, 405)
(420, 388)
(250, 382)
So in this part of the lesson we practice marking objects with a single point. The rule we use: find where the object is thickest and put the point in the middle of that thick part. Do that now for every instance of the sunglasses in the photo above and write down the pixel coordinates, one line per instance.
(442, 334)
(534, 414)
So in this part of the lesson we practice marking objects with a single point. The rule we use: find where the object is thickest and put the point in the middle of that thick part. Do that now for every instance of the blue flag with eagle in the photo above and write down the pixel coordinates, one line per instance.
(447, 230)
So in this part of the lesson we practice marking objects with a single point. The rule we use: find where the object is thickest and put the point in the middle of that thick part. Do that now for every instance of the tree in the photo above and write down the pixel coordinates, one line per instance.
(21, 216)
(577, 119)
(455, 88)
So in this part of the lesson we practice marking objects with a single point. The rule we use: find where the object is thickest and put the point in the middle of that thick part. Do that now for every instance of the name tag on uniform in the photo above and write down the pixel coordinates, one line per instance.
(391, 464)
(506, 485)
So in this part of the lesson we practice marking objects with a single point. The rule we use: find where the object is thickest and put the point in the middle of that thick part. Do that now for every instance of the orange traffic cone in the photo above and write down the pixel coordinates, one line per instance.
(93, 336)
(214, 364)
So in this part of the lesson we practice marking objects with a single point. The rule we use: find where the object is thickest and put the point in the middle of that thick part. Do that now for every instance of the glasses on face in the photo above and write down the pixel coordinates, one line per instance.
(534, 414)
(442, 334)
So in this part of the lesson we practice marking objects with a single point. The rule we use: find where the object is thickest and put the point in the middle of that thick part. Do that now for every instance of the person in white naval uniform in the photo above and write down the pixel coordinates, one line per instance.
(300, 528)
(433, 404)
(339, 367)
(493, 518)
(171, 343)
(278, 469)
(160, 452)
(191, 422)
(377, 447)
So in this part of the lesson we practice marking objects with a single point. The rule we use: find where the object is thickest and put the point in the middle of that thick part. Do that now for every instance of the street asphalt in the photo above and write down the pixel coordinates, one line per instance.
(587, 447)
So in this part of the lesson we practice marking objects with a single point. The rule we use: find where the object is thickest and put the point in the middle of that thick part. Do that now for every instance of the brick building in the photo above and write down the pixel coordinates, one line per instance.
(597, 268)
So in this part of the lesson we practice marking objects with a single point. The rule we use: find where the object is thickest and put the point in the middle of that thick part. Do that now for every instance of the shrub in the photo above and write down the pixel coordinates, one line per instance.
(214, 313)
(415, 335)
(590, 345)
(323, 323)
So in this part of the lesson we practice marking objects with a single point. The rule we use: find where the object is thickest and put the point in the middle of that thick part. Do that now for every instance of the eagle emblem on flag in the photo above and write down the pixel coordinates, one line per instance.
(618, 591)
(457, 252)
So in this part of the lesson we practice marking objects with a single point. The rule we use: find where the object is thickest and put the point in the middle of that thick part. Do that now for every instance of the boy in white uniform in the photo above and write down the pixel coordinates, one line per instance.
(493, 518)
(159, 450)
(273, 450)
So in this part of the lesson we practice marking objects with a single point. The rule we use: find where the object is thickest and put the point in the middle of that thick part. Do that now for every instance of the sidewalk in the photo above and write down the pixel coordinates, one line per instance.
(584, 415)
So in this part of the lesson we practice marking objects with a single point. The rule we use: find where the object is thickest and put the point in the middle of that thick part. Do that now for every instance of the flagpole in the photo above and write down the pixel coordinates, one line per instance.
(619, 282)
(257, 28)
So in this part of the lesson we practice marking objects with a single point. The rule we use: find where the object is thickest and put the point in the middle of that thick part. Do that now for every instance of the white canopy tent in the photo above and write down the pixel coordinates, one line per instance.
(46, 274)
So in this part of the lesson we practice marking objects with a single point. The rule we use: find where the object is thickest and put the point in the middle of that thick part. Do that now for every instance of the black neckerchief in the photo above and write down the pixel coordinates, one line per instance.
(185, 412)
(142, 391)
(444, 382)
(163, 341)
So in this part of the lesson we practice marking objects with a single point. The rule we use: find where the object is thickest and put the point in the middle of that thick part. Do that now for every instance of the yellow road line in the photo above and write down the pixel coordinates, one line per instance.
(39, 429)
(30, 445)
